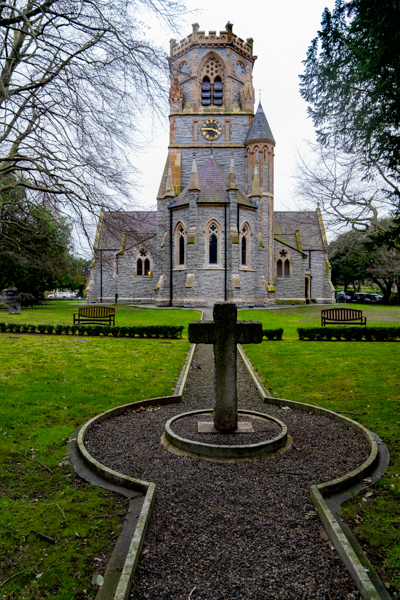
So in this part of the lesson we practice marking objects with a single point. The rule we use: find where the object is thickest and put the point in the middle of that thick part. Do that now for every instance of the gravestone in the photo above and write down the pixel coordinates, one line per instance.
(224, 332)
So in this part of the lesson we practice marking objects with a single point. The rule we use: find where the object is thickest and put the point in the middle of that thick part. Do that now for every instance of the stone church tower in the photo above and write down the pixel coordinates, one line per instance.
(215, 235)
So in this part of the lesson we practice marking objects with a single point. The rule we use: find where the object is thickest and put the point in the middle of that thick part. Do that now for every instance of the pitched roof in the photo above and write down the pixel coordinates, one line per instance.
(213, 182)
(139, 225)
(259, 129)
(286, 223)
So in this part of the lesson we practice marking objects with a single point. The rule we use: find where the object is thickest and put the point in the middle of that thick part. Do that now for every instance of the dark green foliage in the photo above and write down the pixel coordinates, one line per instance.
(349, 334)
(140, 331)
(352, 80)
(273, 334)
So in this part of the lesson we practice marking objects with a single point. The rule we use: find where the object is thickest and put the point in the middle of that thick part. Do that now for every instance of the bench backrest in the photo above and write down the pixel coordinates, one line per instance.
(96, 311)
(341, 314)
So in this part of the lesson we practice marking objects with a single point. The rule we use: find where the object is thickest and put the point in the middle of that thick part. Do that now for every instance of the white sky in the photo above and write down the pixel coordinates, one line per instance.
(282, 32)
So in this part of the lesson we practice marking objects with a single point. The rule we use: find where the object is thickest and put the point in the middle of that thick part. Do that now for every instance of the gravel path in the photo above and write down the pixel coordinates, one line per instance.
(233, 531)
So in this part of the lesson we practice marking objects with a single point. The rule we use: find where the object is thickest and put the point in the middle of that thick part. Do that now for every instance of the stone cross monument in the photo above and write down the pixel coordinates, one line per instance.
(225, 332)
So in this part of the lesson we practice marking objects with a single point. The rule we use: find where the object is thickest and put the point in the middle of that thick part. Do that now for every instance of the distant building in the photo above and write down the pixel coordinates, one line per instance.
(215, 235)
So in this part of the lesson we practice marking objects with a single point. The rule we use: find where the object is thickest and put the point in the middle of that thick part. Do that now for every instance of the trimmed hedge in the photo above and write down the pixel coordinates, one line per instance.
(140, 331)
(273, 334)
(349, 334)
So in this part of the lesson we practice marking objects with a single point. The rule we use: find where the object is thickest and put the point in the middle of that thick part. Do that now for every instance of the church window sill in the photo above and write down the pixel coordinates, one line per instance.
(244, 268)
(180, 268)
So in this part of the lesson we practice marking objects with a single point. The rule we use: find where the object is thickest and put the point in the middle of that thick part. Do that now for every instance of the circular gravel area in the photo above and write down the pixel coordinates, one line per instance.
(233, 531)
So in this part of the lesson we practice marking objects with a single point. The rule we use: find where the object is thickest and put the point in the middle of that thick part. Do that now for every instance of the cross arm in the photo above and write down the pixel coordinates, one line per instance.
(201, 332)
(248, 332)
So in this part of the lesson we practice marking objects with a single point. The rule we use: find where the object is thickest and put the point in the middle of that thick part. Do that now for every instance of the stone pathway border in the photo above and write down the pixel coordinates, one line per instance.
(364, 577)
(361, 570)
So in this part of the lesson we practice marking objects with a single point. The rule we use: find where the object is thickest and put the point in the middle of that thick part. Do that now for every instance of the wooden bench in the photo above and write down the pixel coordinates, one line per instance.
(342, 315)
(95, 314)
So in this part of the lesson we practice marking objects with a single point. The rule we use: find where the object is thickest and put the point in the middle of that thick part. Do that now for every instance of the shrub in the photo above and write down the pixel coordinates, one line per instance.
(58, 329)
(50, 328)
(3, 327)
(273, 334)
(349, 334)
(42, 328)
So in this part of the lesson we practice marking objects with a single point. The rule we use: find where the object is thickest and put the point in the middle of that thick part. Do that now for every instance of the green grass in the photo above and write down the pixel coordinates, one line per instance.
(62, 313)
(48, 387)
(360, 380)
(310, 316)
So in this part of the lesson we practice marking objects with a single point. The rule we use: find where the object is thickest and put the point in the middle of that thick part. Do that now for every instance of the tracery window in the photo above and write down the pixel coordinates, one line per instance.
(211, 75)
(143, 263)
(239, 68)
(213, 235)
(180, 245)
(183, 68)
(283, 263)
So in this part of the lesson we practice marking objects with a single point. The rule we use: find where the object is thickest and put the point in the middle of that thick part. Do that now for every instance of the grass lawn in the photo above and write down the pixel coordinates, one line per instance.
(50, 544)
(62, 313)
(360, 380)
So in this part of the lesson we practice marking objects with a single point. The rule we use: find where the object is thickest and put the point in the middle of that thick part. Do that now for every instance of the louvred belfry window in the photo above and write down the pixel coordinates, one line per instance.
(217, 100)
(206, 92)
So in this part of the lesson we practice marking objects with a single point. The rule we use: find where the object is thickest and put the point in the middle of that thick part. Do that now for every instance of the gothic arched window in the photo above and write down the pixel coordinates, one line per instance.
(206, 92)
(213, 236)
(245, 245)
(181, 250)
(244, 250)
(217, 96)
(143, 263)
(283, 265)
(180, 245)
(213, 248)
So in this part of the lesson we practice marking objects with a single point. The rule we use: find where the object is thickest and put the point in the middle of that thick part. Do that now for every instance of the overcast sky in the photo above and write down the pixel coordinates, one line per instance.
(282, 32)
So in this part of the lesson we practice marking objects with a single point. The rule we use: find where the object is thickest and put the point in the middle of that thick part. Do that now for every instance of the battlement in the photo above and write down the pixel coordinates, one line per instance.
(199, 38)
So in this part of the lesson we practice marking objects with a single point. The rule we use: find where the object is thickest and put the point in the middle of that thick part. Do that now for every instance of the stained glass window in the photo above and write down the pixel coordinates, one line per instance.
(213, 248)
(244, 250)
(139, 269)
(181, 248)
(286, 268)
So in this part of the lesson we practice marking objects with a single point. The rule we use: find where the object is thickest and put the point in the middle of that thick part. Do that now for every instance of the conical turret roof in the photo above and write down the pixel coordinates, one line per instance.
(259, 130)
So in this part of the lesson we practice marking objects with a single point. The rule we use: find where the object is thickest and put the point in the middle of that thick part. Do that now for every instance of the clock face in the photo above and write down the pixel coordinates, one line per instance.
(211, 129)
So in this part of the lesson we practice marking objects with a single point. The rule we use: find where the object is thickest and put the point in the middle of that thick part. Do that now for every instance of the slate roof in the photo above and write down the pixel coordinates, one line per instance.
(213, 181)
(286, 223)
(140, 226)
(259, 129)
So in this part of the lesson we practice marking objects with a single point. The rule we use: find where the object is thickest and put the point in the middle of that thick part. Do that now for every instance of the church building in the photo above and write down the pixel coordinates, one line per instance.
(215, 235)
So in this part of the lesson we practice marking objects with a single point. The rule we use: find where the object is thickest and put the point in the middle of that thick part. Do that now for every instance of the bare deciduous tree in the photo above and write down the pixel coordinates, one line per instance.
(347, 194)
(76, 77)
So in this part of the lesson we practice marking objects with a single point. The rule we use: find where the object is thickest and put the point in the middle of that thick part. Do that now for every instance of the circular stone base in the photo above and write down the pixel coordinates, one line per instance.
(269, 435)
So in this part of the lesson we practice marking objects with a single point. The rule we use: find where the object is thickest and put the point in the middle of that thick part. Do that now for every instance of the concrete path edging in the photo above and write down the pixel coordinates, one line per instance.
(130, 542)
(366, 579)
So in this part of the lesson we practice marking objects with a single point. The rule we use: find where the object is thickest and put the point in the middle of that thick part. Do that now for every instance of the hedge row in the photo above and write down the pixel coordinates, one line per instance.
(273, 334)
(141, 331)
(349, 334)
